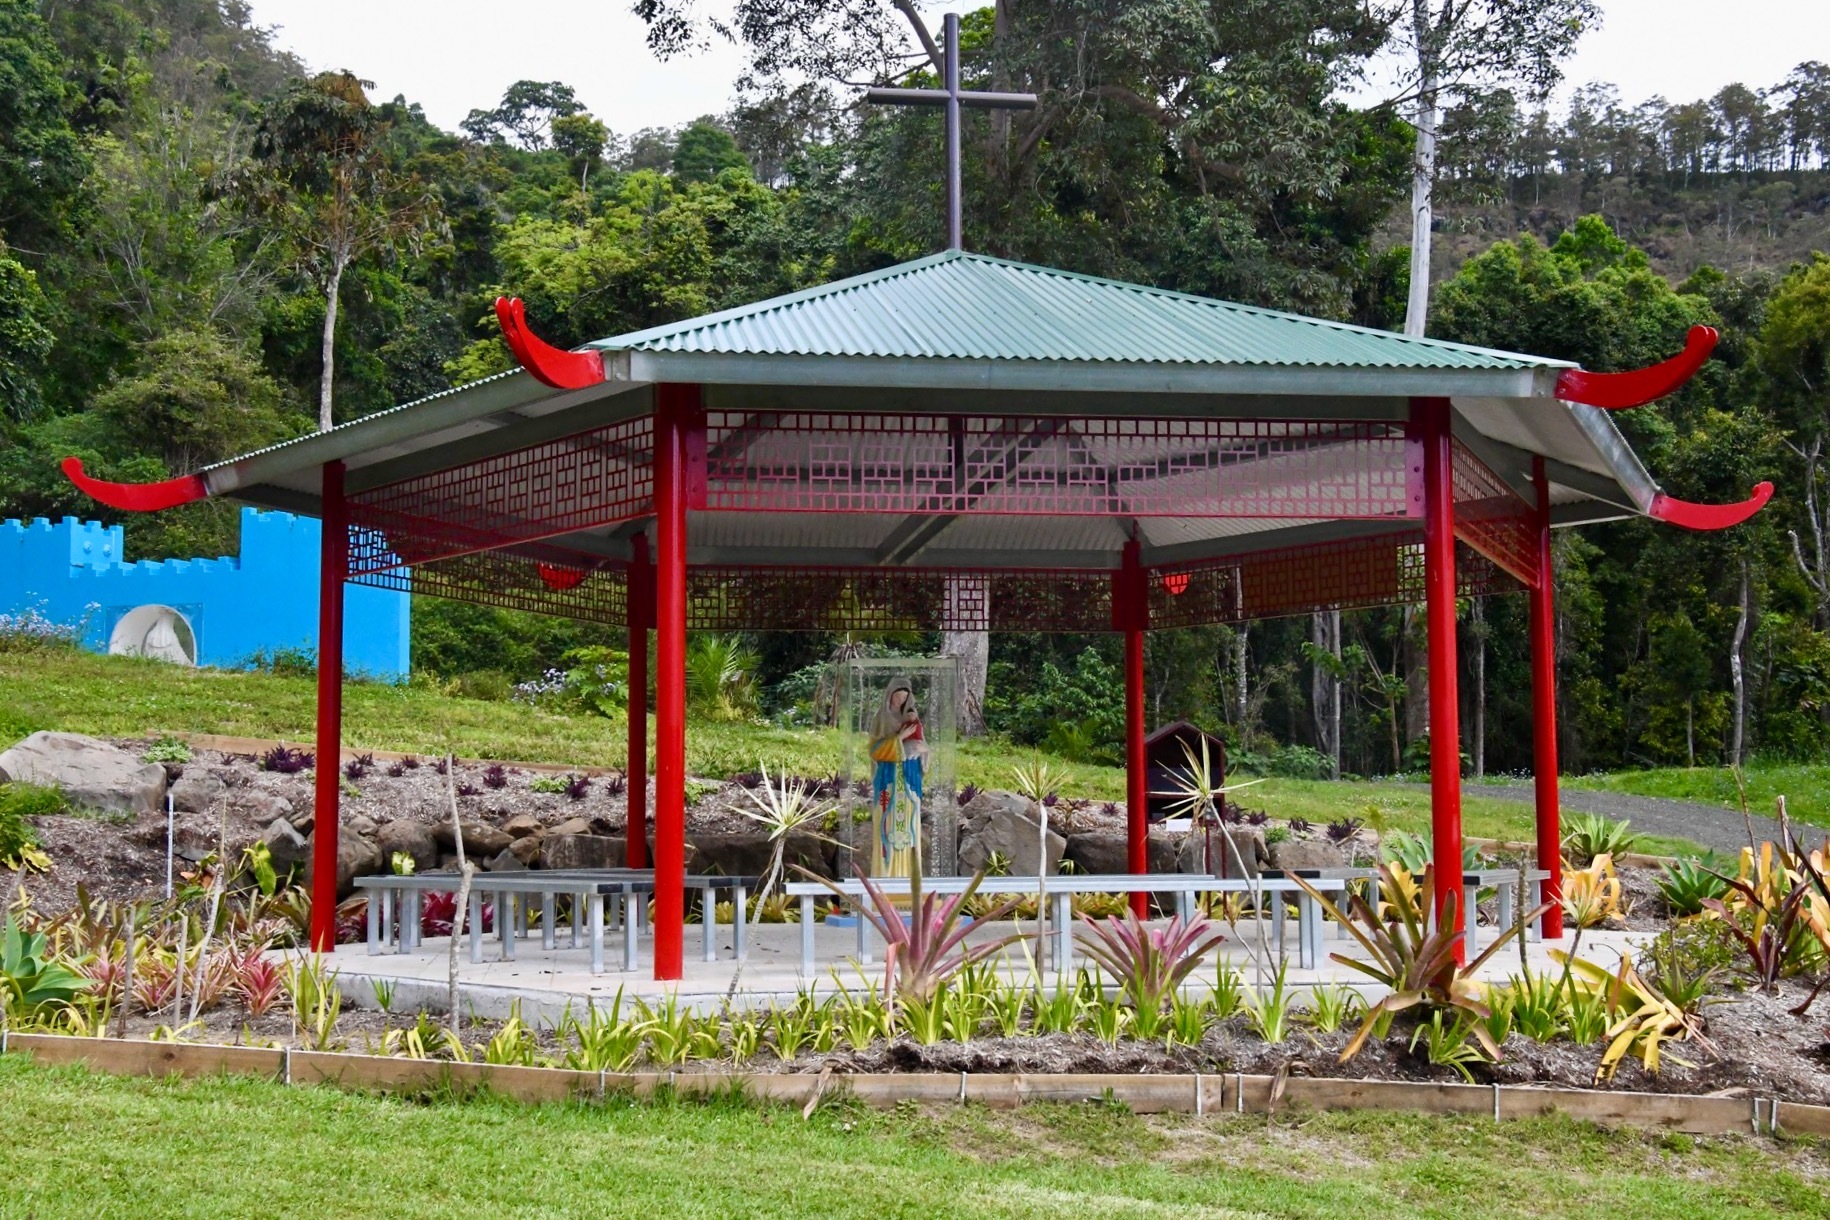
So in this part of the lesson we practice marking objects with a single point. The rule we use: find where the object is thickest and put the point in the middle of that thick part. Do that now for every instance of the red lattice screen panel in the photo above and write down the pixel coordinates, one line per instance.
(874, 463)
(737, 598)
(500, 578)
(1352, 574)
(594, 478)
(1491, 518)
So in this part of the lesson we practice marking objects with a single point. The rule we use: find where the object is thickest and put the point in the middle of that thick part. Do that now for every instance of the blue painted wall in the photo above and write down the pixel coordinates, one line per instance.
(266, 600)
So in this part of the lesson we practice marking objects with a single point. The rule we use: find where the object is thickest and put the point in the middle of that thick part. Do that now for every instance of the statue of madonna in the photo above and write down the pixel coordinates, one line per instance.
(897, 752)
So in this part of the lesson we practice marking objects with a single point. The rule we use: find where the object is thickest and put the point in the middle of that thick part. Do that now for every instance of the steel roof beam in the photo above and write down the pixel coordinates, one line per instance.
(917, 531)
(508, 431)
(890, 400)
(874, 373)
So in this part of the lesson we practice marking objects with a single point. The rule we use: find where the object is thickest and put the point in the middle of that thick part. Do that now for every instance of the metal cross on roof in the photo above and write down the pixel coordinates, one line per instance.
(952, 97)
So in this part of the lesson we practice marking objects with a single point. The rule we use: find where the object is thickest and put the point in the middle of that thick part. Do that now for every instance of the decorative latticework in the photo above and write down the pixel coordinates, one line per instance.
(1351, 574)
(1492, 519)
(738, 598)
(578, 482)
(1358, 573)
(493, 531)
(516, 582)
(875, 463)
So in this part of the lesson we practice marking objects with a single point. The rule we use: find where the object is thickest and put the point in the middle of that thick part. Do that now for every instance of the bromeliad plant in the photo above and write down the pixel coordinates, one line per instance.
(1591, 895)
(1587, 836)
(30, 980)
(1149, 964)
(1773, 909)
(1414, 960)
(926, 949)
(1687, 884)
(1642, 1019)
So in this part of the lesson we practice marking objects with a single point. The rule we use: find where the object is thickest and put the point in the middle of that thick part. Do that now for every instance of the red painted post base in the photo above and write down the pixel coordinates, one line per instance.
(1430, 426)
(1134, 619)
(327, 777)
(1544, 713)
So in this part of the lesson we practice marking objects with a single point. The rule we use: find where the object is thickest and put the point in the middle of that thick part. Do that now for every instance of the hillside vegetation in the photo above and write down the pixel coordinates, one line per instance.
(129, 697)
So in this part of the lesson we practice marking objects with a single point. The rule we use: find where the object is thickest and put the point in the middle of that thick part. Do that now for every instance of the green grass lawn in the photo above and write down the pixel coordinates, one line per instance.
(121, 696)
(88, 1145)
(1805, 786)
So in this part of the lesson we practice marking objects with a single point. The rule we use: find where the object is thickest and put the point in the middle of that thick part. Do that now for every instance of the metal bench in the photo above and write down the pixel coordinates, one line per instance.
(588, 888)
(1061, 890)
(1504, 882)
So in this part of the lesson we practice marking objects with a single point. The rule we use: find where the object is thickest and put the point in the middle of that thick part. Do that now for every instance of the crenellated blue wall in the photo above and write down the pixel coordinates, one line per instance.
(264, 601)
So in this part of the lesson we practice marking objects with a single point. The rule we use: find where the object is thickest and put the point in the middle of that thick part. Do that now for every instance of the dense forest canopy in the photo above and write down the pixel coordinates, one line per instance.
(203, 248)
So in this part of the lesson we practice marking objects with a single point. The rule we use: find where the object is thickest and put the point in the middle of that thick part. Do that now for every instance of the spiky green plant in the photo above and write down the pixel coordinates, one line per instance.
(782, 806)
(1412, 959)
(1149, 964)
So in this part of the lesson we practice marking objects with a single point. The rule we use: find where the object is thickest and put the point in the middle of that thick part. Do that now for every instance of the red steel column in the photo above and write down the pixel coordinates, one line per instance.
(674, 407)
(333, 566)
(1430, 424)
(1544, 711)
(1135, 613)
(641, 608)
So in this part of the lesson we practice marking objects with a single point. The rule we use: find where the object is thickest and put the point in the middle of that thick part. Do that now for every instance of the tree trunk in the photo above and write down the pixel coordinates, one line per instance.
(967, 598)
(1325, 687)
(1241, 705)
(973, 648)
(327, 378)
(1414, 655)
(1817, 572)
(1735, 669)
(1423, 172)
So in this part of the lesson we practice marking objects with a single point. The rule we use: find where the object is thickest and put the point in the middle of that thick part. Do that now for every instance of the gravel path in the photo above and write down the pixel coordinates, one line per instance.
(1721, 829)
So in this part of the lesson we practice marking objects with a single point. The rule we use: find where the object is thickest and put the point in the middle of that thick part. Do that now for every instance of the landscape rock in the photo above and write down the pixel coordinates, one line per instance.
(358, 823)
(262, 806)
(1005, 823)
(748, 855)
(92, 773)
(197, 790)
(414, 838)
(504, 861)
(481, 842)
(356, 857)
(522, 825)
(1099, 852)
(581, 851)
(526, 849)
(1245, 842)
(1306, 853)
(571, 826)
(289, 849)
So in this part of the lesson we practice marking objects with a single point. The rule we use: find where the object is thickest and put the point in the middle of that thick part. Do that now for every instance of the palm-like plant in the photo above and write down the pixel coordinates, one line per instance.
(718, 676)
(1194, 794)
(1150, 964)
(1413, 959)
(782, 806)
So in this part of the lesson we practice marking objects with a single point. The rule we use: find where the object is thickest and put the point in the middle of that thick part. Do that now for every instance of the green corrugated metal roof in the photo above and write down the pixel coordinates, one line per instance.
(973, 307)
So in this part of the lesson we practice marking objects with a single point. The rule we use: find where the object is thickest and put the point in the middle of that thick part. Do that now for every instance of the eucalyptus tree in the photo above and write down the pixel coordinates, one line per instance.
(336, 191)
(1460, 50)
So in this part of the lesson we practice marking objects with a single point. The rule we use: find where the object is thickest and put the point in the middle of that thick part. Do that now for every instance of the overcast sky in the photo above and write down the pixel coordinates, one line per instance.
(455, 55)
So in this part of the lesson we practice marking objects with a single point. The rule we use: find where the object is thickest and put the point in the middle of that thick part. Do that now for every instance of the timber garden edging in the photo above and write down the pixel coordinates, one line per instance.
(1223, 1093)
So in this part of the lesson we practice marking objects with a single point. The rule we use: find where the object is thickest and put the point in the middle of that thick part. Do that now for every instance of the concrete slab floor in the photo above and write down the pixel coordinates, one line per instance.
(545, 983)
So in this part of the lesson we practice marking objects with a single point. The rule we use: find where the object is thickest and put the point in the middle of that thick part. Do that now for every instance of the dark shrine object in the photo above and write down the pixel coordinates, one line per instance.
(1168, 765)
